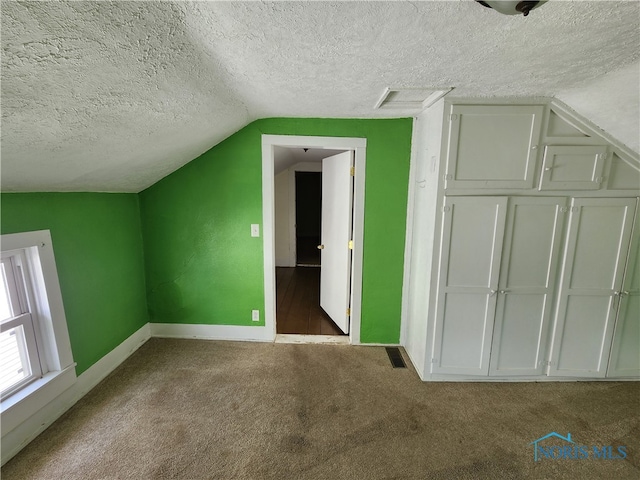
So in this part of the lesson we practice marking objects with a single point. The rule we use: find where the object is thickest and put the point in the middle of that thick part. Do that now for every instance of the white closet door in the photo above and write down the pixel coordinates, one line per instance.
(573, 167)
(493, 146)
(593, 267)
(527, 281)
(473, 229)
(625, 350)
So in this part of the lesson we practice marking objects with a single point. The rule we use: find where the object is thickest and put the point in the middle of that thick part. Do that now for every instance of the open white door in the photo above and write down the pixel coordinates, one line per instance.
(335, 258)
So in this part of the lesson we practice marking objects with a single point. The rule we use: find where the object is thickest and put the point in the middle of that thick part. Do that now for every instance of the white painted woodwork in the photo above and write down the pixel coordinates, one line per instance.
(527, 280)
(421, 236)
(573, 167)
(593, 266)
(622, 176)
(493, 146)
(522, 334)
(473, 229)
(269, 145)
(559, 127)
(625, 350)
(336, 231)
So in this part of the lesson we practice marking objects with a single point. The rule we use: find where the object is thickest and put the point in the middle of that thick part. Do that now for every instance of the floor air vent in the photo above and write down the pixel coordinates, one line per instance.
(395, 357)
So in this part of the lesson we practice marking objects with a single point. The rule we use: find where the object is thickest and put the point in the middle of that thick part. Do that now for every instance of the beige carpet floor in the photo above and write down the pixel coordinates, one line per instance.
(190, 409)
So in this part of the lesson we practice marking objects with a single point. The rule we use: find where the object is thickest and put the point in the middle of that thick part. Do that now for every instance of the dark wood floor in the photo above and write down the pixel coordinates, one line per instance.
(298, 303)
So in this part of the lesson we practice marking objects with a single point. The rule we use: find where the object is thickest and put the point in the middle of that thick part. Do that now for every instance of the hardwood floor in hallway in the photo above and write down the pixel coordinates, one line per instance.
(298, 303)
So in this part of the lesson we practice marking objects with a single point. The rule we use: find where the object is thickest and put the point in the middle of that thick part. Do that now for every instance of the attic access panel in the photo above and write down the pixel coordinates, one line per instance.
(410, 98)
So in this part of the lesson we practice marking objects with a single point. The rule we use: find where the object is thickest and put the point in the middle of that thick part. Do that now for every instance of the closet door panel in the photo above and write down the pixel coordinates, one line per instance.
(493, 146)
(594, 262)
(625, 350)
(625, 356)
(518, 341)
(465, 321)
(472, 233)
(584, 333)
(527, 283)
(599, 232)
(573, 167)
(472, 242)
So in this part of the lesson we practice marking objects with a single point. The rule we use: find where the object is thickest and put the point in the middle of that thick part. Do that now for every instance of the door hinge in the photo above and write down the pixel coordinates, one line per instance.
(348, 312)
(434, 360)
(352, 171)
(350, 244)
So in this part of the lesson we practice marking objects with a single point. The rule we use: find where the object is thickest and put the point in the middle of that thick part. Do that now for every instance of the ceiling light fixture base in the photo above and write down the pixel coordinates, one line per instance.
(512, 7)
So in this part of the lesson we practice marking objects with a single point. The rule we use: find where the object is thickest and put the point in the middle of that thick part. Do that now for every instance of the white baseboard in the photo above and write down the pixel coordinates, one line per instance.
(25, 432)
(416, 365)
(211, 332)
(522, 379)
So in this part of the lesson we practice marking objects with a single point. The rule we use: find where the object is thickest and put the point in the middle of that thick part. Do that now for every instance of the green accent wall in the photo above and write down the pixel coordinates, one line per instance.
(97, 244)
(202, 265)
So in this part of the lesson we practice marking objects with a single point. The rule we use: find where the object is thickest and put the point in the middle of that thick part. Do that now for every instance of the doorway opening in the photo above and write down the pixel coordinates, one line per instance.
(298, 308)
(287, 263)
(301, 276)
(308, 214)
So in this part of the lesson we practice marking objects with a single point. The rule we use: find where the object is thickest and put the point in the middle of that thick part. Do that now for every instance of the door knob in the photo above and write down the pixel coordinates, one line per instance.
(320, 247)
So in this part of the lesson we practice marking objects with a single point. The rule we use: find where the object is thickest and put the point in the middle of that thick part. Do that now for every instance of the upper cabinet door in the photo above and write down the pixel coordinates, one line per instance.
(473, 229)
(527, 283)
(492, 146)
(573, 168)
(625, 351)
(594, 263)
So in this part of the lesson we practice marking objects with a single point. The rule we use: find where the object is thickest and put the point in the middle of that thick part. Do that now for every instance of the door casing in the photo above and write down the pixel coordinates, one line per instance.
(359, 146)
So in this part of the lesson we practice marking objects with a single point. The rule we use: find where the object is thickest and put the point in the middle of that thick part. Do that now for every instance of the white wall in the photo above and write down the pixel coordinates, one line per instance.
(611, 102)
(285, 208)
(423, 198)
(283, 245)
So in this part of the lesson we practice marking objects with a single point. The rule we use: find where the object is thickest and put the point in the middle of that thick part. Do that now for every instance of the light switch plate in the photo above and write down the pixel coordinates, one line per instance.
(255, 230)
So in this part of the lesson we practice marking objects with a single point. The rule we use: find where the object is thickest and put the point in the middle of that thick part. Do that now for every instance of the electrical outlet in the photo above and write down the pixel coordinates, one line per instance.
(255, 315)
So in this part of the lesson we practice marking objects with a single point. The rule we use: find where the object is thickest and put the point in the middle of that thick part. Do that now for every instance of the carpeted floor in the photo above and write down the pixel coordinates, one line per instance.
(192, 409)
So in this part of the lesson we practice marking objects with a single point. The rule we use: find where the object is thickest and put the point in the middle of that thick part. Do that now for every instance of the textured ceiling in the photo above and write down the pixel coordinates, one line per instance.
(113, 96)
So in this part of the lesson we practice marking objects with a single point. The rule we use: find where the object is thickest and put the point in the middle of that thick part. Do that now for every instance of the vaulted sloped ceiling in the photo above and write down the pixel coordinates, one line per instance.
(113, 96)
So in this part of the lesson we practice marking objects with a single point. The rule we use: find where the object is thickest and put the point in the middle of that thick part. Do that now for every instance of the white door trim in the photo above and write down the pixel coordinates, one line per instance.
(359, 146)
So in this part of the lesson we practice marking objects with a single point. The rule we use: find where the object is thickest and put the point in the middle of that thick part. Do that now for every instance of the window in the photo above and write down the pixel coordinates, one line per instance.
(19, 359)
(36, 363)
